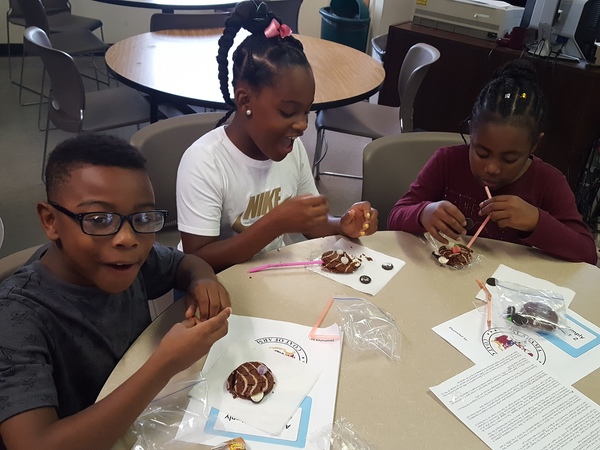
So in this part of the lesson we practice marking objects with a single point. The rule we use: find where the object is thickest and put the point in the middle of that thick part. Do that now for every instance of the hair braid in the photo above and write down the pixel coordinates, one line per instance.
(257, 60)
(512, 96)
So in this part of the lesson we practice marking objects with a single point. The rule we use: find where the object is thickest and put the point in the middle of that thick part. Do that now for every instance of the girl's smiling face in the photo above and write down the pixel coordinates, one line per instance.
(279, 114)
(499, 153)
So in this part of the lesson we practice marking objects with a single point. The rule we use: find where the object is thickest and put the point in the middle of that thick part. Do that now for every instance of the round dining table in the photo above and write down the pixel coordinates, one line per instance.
(181, 65)
(169, 6)
(388, 402)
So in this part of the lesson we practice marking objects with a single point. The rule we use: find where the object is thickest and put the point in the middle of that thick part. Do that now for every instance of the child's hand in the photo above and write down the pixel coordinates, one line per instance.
(443, 217)
(510, 211)
(208, 297)
(302, 214)
(359, 220)
(188, 341)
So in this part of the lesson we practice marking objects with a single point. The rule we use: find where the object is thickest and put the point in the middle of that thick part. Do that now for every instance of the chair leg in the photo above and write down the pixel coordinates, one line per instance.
(319, 155)
(45, 147)
(23, 87)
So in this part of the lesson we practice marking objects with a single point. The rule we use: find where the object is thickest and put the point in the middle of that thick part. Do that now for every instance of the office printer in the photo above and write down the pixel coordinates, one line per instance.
(486, 19)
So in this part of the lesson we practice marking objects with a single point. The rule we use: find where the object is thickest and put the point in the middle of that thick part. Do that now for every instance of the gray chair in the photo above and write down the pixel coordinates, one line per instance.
(392, 163)
(167, 21)
(73, 110)
(375, 121)
(75, 42)
(287, 10)
(60, 20)
(9, 264)
(163, 144)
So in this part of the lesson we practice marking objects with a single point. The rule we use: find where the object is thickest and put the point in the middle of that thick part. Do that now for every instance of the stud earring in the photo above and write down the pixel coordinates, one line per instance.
(248, 112)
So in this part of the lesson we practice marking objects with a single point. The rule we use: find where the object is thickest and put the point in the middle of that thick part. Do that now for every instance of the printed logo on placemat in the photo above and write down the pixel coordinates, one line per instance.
(497, 340)
(285, 347)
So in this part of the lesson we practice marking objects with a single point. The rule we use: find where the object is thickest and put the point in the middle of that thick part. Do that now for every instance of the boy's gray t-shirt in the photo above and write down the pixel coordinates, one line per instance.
(59, 342)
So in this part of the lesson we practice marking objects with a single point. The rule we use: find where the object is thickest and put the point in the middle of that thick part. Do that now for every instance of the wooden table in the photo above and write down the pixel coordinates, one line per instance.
(181, 65)
(169, 6)
(388, 403)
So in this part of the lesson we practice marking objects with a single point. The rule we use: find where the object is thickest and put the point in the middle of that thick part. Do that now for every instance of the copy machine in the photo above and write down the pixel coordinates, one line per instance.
(486, 19)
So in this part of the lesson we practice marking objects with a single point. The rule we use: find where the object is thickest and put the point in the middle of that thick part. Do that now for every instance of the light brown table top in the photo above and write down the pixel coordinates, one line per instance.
(388, 403)
(168, 6)
(181, 65)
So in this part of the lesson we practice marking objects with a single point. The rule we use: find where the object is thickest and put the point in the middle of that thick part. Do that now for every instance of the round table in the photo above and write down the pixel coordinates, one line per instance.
(181, 65)
(388, 403)
(169, 6)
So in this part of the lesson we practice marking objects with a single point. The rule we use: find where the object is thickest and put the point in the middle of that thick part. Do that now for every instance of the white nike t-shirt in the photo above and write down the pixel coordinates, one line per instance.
(221, 191)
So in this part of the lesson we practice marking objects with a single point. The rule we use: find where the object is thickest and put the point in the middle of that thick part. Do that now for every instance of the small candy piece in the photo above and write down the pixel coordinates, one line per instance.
(366, 279)
(456, 249)
(443, 260)
(340, 252)
(257, 398)
(344, 260)
(387, 266)
(262, 369)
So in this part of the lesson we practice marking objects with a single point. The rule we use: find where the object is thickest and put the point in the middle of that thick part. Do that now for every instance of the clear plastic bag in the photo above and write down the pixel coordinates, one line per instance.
(454, 255)
(368, 327)
(162, 420)
(540, 310)
(341, 437)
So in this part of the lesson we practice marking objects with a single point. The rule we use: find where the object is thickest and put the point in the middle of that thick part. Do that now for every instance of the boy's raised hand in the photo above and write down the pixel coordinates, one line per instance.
(359, 220)
(206, 298)
(443, 217)
(188, 341)
(511, 211)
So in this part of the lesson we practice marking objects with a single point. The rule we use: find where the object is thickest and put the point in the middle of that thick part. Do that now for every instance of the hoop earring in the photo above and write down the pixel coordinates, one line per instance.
(248, 112)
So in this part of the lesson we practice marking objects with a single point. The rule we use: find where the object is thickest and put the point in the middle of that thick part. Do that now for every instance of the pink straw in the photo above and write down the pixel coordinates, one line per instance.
(287, 264)
(313, 333)
(487, 219)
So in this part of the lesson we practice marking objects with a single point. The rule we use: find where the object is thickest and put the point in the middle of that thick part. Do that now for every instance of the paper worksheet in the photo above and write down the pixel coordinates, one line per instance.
(377, 267)
(248, 339)
(571, 352)
(513, 403)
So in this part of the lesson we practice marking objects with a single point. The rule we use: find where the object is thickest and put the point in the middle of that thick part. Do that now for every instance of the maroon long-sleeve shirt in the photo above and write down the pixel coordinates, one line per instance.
(560, 231)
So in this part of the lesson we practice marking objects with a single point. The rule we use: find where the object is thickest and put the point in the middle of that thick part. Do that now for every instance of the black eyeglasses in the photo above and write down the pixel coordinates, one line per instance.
(107, 223)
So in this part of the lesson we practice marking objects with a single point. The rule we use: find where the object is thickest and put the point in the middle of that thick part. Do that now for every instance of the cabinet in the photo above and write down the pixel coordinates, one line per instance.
(467, 64)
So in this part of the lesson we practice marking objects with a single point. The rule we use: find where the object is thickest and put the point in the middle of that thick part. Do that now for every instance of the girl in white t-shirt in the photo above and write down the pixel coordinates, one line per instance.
(240, 188)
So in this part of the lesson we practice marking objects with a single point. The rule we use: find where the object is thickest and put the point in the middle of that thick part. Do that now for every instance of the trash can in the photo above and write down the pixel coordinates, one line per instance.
(378, 44)
(346, 22)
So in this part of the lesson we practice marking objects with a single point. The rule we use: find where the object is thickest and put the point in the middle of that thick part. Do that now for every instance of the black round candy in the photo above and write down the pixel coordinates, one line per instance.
(387, 266)
(366, 279)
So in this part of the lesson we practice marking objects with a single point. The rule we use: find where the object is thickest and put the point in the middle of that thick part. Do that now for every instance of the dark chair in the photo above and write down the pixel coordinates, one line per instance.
(73, 110)
(375, 121)
(14, 16)
(163, 144)
(287, 10)
(75, 42)
(165, 21)
(392, 163)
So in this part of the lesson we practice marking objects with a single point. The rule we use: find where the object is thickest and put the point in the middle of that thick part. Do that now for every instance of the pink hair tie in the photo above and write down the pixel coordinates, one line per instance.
(276, 29)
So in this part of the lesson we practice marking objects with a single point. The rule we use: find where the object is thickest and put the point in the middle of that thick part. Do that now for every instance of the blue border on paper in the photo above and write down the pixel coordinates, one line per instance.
(300, 441)
(569, 349)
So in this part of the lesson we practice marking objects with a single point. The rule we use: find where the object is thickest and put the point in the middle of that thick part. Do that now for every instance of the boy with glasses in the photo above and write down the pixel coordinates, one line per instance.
(68, 317)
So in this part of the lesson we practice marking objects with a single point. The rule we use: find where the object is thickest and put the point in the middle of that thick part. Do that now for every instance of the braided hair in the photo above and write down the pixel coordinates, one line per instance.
(258, 59)
(513, 96)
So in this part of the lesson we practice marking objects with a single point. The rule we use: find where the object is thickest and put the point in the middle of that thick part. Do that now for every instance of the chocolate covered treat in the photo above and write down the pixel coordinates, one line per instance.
(536, 315)
(251, 381)
(456, 256)
(339, 261)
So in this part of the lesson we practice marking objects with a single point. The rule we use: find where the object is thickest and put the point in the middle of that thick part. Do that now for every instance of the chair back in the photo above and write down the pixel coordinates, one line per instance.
(287, 10)
(67, 93)
(34, 14)
(9, 264)
(163, 144)
(392, 163)
(165, 21)
(416, 63)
